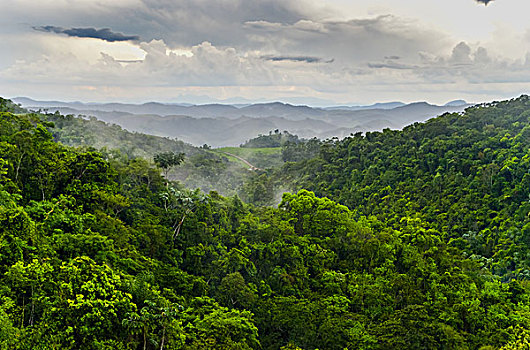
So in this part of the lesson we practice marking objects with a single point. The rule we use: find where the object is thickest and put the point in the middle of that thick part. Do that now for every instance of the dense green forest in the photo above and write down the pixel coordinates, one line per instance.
(464, 175)
(273, 139)
(415, 239)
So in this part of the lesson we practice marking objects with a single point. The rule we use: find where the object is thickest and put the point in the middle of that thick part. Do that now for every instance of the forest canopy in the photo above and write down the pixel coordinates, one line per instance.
(413, 239)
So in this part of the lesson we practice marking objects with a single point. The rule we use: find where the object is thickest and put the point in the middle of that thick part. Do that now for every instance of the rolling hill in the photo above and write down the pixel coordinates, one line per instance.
(225, 125)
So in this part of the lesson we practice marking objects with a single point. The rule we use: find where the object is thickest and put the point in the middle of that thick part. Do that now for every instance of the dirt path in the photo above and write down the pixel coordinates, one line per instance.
(251, 167)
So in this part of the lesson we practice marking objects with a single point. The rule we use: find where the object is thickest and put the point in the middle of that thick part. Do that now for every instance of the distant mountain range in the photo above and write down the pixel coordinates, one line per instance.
(230, 125)
(386, 105)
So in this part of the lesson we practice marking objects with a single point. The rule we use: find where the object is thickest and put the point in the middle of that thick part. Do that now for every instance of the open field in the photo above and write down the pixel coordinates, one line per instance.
(259, 157)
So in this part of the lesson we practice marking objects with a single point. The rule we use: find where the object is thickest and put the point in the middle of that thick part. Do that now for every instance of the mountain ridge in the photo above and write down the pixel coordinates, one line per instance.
(225, 125)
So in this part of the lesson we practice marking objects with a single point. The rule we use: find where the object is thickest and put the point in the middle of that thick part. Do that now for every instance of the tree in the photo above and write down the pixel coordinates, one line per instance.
(179, 204)
(149, 322)
(168, 160)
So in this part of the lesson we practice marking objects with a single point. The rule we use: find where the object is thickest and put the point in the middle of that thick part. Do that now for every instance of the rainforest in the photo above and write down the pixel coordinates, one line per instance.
(411, 239)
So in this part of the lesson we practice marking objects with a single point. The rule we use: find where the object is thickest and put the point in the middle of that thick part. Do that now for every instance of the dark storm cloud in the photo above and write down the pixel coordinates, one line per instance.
(349, 42)
(103, 34)
(184, 22)
(306, 59)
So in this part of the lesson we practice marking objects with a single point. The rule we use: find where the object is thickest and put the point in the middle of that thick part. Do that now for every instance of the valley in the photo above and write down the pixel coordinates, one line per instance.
(265, 175)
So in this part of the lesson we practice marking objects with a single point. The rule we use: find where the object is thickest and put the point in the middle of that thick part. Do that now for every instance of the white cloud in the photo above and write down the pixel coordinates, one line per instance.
(200, 65)
(464, 65)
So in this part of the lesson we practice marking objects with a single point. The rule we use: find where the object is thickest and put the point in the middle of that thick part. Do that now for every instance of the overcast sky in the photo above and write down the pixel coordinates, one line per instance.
(298, 51)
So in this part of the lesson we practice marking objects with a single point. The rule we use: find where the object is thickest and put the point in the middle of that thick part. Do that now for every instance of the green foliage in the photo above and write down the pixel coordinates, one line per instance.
(421, 245)
(522, 340)
(298, 151)
(259, 191)
(464, 174)
(83, 131)
(276, 139)
(167, 160)
(263, 158)
(9, 106)
(200, 168)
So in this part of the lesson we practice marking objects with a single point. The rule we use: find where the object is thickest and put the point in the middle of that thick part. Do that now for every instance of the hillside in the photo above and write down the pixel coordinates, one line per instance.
(110, 255)
(77, 131)
(465, 175)
(259, 157)
(202, 168)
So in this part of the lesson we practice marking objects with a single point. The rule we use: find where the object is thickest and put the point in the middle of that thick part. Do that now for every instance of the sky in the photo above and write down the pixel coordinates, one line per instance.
(327, 52)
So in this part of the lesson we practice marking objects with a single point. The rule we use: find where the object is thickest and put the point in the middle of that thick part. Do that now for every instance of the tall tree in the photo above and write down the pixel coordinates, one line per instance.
(168, 160)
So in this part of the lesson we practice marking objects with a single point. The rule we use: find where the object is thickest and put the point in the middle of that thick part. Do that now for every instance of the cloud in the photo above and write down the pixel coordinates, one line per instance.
(391, 65)
(306, 59)
(485, 2)
(350, 42)
(465, 64)
(103, 34)
(186, 23)
(255, 45)
(460, 54)
(372, 53)
(203, 65)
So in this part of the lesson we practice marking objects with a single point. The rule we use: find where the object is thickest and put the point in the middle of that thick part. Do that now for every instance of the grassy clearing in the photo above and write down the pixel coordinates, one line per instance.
(232, 158)
(249, 152)
(260, 157)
